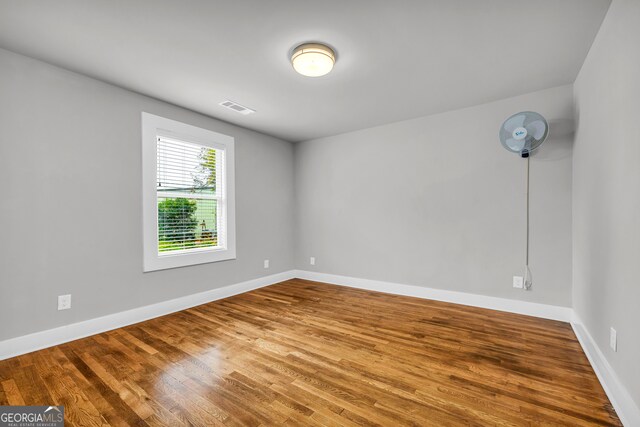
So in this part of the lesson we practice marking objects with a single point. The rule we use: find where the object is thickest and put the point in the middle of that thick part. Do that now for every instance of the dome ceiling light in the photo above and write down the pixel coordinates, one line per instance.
(313, 59)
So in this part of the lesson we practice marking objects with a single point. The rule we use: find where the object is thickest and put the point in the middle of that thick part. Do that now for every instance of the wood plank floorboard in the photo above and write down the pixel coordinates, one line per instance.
(306, 353)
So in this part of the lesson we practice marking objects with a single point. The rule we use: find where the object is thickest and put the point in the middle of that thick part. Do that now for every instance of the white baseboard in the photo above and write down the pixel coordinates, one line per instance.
(39, 340)
(502, 304)
(619, 396)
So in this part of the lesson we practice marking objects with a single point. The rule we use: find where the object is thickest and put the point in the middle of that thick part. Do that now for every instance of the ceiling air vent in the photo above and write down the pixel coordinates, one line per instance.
(237, 107)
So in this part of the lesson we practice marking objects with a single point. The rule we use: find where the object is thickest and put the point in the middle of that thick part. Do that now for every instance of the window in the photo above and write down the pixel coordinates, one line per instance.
(188, 197)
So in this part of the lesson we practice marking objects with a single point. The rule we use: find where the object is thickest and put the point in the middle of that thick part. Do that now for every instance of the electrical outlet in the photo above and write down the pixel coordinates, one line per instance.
(613, 339)
(266, 263)
(518, 282)
(312, 260)
(64, 302)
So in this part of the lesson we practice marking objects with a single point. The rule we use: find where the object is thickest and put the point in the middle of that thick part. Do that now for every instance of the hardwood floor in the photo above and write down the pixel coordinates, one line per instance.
(306, 353)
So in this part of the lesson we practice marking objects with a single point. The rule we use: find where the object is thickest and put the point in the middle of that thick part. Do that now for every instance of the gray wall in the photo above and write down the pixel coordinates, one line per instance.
(606, 196)
(437, 202)
(71, 215)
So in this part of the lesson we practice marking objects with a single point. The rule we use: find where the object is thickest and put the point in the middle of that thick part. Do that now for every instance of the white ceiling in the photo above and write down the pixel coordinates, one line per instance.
(396, 59)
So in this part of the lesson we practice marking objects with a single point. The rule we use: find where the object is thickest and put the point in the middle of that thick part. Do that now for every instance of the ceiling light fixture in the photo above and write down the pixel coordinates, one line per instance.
(313, 59)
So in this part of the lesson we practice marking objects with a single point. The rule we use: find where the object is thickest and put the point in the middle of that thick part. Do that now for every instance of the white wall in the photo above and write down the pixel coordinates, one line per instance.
(70, 170)
(606, 194)
(437, 202)
(70, 161)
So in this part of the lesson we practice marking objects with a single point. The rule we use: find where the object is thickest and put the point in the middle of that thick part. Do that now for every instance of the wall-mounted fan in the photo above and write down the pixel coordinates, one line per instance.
(521, 134)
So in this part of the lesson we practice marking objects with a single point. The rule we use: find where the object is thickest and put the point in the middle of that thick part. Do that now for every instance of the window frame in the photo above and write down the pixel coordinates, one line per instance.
(154, 127)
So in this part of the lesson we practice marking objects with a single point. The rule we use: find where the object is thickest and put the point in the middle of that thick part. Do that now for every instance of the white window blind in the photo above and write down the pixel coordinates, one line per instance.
(190, 195)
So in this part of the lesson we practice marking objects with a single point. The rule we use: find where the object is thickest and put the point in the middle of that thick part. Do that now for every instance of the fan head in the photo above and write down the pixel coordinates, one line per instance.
(524, 132)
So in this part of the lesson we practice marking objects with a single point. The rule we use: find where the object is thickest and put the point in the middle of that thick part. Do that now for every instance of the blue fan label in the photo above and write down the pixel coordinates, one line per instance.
(519, 133)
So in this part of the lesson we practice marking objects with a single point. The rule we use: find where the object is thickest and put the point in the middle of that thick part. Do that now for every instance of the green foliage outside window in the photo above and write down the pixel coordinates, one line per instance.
(176, 223)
